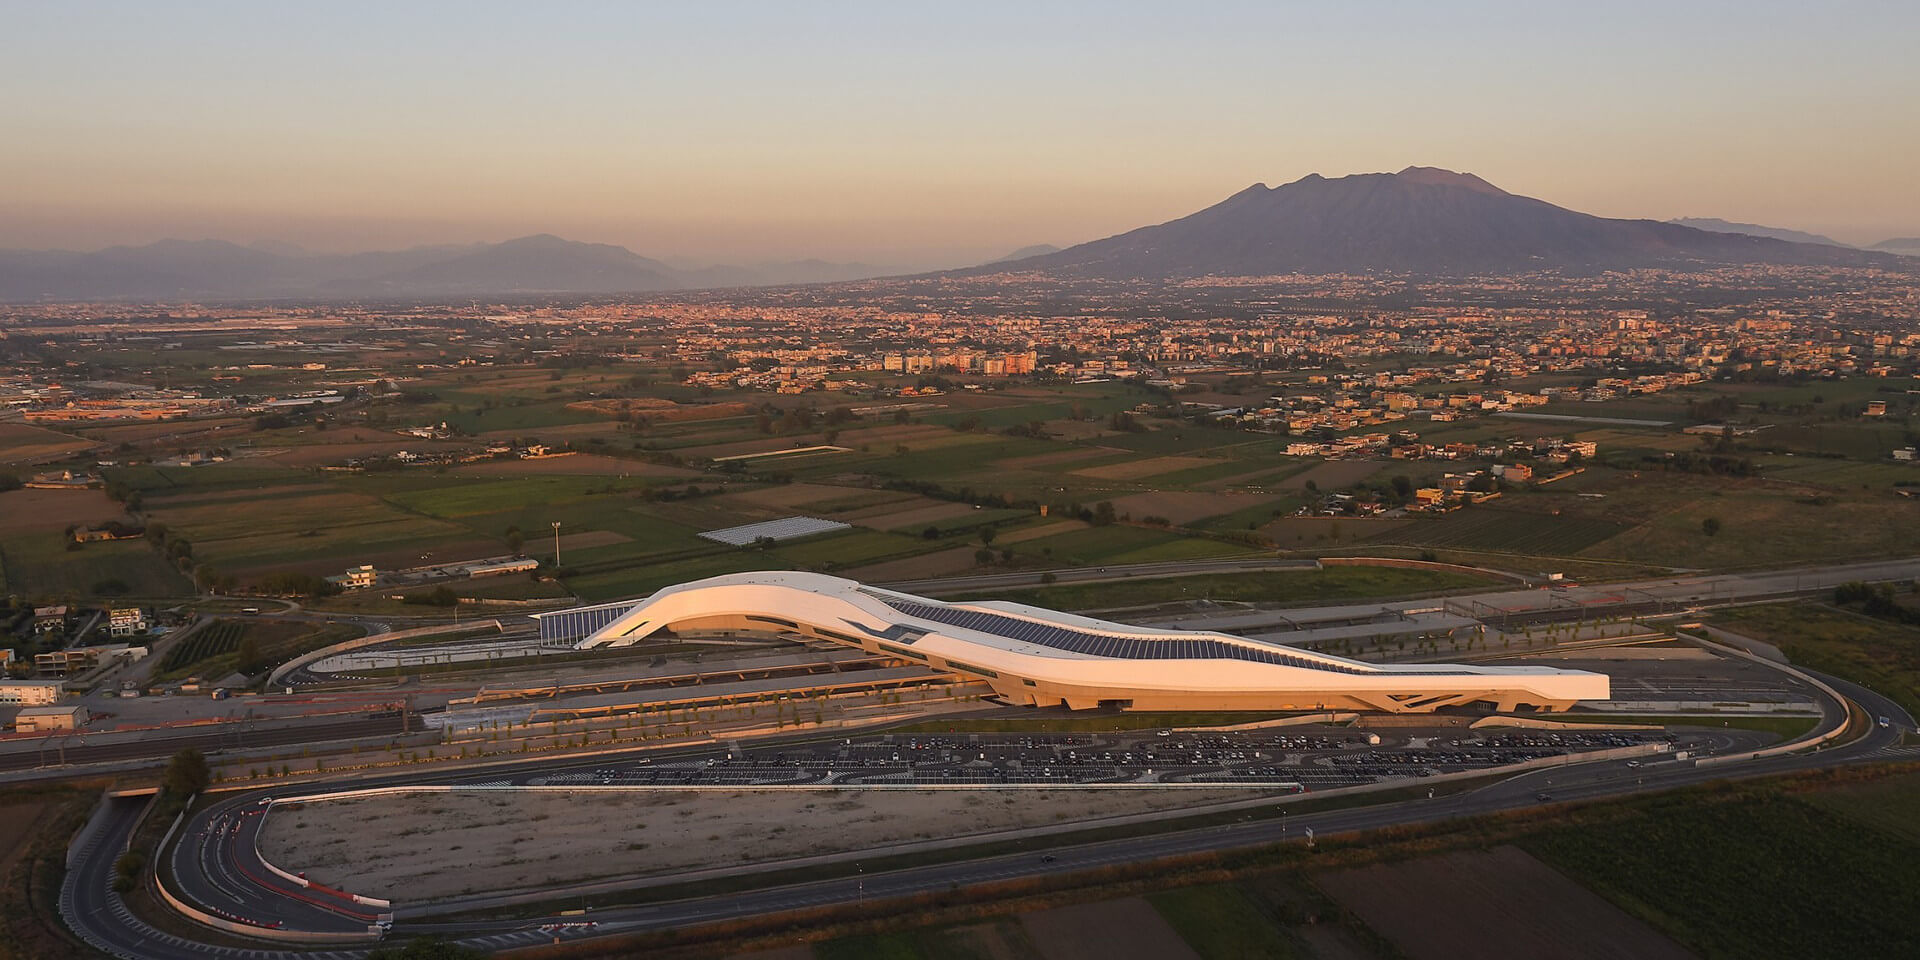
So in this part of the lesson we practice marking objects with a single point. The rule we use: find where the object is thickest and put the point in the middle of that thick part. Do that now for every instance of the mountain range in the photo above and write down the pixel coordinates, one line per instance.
(216, 269)
(1717, 225)
(1421, 221)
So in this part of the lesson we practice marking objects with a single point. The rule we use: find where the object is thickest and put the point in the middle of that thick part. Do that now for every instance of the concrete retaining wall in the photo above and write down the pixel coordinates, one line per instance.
(1792, 746)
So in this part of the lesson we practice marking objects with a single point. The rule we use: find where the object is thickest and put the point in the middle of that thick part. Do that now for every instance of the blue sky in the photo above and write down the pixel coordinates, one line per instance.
(921, 133)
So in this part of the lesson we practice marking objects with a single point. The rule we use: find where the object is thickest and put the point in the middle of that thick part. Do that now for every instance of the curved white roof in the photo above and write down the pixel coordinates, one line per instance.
(1038, 645)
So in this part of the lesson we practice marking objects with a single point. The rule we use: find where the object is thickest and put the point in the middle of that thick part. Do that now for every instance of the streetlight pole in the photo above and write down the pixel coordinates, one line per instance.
(556, 544)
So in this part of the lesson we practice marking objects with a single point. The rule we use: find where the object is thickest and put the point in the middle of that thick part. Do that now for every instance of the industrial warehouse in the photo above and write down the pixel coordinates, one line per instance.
(1036, 657)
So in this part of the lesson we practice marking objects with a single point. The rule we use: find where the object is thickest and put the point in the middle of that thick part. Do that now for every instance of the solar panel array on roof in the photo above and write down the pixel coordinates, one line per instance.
(788, 528)
(1105, 645)
(576, 624)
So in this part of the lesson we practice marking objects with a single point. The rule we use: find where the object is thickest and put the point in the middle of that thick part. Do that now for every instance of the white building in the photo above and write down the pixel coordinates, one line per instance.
(1036, 657)
(127, 622)
(31, 693)
(356, 578)
(49, 719)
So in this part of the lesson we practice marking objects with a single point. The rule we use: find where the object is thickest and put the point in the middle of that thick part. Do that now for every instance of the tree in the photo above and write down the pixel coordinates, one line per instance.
(1710, 526)
(126, 870)
(983, 557)
(986, 536)
(248, 661)
(515, 539)
(1103, 513)
(187, 773)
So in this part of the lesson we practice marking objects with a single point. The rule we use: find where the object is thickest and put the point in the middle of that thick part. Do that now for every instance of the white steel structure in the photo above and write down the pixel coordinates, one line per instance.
(1037, 657)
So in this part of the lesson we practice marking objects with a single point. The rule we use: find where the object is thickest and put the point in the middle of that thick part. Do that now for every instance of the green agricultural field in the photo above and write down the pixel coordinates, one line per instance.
(1830, 472)
(39, 565)
(1220, 922)
(1250, 517)
(1507, 531)
(967, 522)
(1890, 805)
(274, 513)
(1764, 523)
(496, 494)
(1874, 653)
(639, 581)
(1266, 470)
(528, 417)
(1187, 439)
(1858, 439)
(1286, 587)
(312, 528)
(1748, 874)
(954, 463)
(214, 651)
(217, 476)
(1118, 544)
(851, 548)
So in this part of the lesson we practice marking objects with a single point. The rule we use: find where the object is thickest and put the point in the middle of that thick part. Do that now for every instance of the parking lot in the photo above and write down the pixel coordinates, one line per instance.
(1313, 759)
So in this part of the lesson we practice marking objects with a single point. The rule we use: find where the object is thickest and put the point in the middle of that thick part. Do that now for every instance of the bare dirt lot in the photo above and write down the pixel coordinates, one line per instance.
(794, 496)
(149, 430)
(425, 846)
(29, 510)
(1108, 930)
(16, 827)
(937, 564)
(592, 538)
(20, 443)
(1183, 508)
(1493, 903)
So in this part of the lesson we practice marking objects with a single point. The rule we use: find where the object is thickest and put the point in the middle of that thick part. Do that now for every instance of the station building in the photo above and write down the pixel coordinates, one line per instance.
(1032, 656)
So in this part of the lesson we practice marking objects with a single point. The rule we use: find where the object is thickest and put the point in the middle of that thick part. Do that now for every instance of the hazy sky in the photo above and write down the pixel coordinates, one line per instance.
(923, 133)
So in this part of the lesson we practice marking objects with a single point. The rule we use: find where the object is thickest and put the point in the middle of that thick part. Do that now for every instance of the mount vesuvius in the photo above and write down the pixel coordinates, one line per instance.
(1420, 221)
